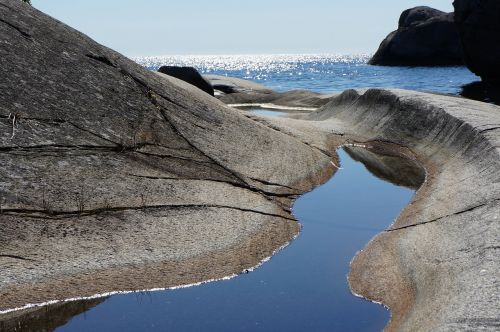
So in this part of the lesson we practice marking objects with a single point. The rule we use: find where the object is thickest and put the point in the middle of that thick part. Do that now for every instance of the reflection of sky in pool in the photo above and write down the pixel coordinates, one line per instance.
(265, 112)
(302, 288)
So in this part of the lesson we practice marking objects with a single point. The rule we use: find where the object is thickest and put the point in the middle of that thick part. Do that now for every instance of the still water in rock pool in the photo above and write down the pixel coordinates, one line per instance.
(302, 288)
(267, 112)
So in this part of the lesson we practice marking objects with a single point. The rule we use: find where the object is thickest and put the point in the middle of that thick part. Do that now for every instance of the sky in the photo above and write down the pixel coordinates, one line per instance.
(168, 27)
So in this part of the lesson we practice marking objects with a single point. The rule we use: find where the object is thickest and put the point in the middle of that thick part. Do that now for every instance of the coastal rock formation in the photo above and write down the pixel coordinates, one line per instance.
(235, 91)
(228, 85)
(425, 37)
(189, 75)
(478, 23)
(115, 178)
(436, 267)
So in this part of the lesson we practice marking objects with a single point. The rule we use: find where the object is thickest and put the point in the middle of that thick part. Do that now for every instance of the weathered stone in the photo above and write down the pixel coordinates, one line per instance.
(116, 178)
(478, 22)
(425, 37)
(189, 75)
(436, 266)
(236, 91)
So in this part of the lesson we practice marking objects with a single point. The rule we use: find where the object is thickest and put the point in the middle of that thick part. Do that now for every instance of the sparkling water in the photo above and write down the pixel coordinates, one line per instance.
(321, 73)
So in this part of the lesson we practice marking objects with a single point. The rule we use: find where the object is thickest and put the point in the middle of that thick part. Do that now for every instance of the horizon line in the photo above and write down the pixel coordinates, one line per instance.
(253, 54)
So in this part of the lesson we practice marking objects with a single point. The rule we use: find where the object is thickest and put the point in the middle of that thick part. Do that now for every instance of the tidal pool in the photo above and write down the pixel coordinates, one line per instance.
(302, 288)
(267, 112)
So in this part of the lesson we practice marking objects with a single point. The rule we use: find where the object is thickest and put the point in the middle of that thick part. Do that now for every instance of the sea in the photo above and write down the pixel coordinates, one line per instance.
(322, 73)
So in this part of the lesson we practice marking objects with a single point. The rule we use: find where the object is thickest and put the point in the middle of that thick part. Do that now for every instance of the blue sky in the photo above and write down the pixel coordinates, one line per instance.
(161, 27)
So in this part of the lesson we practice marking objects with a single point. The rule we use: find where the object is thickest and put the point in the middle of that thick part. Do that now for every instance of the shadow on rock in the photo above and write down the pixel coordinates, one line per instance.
(482, 91)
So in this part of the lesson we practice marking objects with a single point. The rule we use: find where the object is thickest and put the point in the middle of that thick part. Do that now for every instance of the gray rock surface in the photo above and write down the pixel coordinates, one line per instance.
(189, 75)
(245, 93)
(425, 37)
(436, 267)
(236, 91)
(115, 178)
(478, 22)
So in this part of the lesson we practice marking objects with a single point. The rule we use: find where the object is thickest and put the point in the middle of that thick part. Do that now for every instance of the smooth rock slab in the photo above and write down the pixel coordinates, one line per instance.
(436, 267)
(116, 178)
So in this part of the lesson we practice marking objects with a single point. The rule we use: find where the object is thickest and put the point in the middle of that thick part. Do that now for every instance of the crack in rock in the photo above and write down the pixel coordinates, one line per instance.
(23, 33)
(449, 215)
(69, 214)
(17, 257)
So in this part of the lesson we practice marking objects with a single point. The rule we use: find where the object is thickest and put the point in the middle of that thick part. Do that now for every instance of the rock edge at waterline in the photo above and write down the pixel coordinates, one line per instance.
(436, 267)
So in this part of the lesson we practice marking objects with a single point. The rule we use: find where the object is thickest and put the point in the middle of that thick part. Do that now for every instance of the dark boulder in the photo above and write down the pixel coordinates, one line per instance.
(478, 23)
(425, 37)
(417, 15)
(189, 75)
(488, 92)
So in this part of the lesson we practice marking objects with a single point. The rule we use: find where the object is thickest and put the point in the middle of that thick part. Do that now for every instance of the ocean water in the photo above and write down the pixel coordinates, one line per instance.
(321, 73)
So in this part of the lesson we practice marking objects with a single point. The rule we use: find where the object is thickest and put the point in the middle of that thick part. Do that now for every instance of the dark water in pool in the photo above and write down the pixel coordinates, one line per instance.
(302, 288)
(322, 73)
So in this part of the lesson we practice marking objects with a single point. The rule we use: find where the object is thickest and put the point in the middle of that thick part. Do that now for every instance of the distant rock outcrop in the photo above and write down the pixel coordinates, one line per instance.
(229, 85)
(425, 37)
(231, 90)
(478, 23)
(189, 75)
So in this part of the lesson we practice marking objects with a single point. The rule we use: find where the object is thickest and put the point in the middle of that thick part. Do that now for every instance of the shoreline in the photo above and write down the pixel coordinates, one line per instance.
(123, 292)
(379, 147)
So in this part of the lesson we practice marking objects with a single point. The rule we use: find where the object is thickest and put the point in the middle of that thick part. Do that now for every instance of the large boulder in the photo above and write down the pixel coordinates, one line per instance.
(478, 23)
(189, 75)
(425, 37)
